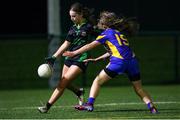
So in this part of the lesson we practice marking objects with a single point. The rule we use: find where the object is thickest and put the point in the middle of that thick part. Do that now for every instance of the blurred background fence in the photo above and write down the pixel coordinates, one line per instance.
(157, 52)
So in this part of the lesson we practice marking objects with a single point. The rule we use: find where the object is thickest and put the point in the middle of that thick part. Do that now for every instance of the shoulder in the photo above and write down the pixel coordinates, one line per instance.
(112, 30)
(71, 30)
(109, 32)
(87, 26)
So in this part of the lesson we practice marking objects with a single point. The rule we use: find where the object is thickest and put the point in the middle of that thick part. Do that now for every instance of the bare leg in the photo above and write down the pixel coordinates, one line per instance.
(99, 80)
(137, 85)
(70, 75)
(144, 96)
(95, 88)
(70, 86)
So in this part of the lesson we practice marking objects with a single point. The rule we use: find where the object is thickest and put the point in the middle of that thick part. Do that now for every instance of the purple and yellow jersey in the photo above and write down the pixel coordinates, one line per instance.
(117, 44)
(122, 59)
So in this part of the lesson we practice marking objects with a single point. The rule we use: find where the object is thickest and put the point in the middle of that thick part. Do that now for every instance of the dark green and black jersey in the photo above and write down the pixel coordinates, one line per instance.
(80, 36)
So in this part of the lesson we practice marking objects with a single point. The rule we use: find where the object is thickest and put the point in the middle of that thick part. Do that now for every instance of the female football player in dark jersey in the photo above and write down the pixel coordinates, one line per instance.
(78, 36)
(122, 58)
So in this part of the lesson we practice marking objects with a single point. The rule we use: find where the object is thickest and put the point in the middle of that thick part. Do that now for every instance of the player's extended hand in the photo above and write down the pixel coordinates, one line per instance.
(69, 54)
(89, 60)
(50, 60)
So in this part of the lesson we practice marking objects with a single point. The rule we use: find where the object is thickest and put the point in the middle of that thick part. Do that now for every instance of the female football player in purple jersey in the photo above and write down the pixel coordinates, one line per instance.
(122, 58)
(79, 35)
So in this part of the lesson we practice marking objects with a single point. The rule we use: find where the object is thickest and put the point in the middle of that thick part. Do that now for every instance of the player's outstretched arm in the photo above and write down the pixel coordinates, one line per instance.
(85, 48)
(61, 49)
(104, 56)
(50, 60)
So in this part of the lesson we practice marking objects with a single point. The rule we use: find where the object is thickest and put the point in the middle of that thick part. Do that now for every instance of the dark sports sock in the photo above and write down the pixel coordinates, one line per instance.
(78, 93)
(48, 105)
(91, 100)
(75, 90)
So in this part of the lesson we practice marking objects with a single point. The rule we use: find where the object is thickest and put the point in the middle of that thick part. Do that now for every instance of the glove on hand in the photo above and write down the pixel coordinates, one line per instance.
(50, 60)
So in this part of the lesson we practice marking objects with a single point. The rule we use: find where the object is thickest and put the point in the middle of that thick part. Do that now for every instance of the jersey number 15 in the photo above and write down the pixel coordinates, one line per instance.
(122, 40)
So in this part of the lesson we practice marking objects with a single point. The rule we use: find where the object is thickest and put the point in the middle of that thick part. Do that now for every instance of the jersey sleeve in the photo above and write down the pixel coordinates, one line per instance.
(101, 38)
(70, 35)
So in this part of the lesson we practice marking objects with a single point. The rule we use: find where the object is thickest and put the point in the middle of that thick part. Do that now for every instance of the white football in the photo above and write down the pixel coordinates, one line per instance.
(45, 70)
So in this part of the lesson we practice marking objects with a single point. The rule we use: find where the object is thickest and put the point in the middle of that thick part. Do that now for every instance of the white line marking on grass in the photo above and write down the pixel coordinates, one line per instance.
(136, 103)
(108, 104)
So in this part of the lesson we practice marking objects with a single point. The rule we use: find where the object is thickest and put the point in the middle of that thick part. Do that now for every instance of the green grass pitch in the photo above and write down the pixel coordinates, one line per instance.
(112, 103)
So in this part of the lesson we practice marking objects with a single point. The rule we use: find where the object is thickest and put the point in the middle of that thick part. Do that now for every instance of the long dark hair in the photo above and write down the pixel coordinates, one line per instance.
(85, 11)
(129, 26)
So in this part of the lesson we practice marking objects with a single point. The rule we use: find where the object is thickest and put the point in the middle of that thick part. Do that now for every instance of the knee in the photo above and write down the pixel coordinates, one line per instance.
(63, 83)
(99, 82)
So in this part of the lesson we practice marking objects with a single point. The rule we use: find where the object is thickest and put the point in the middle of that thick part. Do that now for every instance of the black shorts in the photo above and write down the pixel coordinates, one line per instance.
(113, 74)
(81, 65)
(110, 73)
